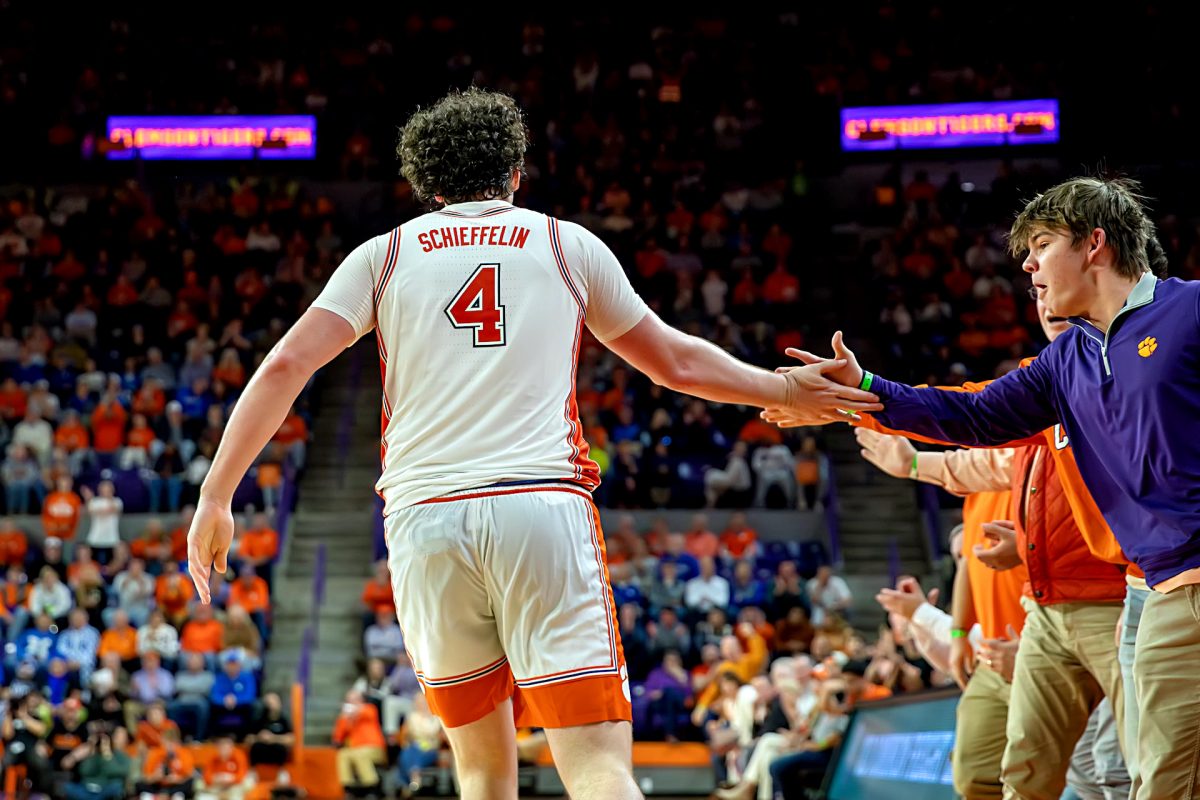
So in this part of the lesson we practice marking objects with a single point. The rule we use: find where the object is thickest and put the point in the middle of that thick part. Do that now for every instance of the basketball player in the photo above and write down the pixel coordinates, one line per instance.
(495, 550)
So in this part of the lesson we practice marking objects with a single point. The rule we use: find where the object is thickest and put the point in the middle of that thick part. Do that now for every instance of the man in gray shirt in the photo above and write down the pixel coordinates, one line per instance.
(384, 639)
(189, 709)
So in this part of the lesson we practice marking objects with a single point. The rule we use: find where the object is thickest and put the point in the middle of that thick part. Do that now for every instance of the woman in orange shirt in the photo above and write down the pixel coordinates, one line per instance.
(71, 435)
(150, 400)
(140, 435)
(230, 369)
(60, 510)
(173, 593)
(167, 769)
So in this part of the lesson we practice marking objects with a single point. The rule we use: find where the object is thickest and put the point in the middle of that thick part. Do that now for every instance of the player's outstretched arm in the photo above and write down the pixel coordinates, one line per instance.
(1009, 409)
(693, 366)
(309, 345)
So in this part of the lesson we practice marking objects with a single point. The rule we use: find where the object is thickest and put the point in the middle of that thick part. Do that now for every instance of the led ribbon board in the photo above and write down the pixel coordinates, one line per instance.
(991, 124)
(212, 137)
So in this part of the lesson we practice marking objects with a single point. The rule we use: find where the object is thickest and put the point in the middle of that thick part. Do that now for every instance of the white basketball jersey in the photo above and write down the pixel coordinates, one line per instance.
(478, 311)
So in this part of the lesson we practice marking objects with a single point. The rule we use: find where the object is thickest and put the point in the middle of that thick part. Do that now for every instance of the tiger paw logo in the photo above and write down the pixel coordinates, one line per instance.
(1147, 346)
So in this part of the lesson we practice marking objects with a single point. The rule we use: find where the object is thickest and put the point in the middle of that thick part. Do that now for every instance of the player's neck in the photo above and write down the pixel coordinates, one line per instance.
(1112, 292)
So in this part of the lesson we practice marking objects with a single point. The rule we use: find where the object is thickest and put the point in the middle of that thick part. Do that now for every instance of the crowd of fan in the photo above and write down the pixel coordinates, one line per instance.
(108, 658)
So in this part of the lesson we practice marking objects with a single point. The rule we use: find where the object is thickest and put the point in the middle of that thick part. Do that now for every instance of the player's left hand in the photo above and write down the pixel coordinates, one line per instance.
(814, 399)
(1001, 534)
(208, 544)
(843, 370)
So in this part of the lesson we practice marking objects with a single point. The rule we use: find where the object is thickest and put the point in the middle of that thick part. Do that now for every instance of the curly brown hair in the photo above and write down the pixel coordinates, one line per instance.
(464, 147)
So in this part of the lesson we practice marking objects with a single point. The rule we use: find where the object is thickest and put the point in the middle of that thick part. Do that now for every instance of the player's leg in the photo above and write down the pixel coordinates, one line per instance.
(555, 614)
(595, 761)
(485, 755)
(1168, 647)
(1135, 599)
(980, 736)
(450, 631)
(1053, 695)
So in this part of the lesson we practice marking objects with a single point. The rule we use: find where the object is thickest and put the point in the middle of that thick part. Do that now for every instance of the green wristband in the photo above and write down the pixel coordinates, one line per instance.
(867, 379)
(958, 633)
(913, 472)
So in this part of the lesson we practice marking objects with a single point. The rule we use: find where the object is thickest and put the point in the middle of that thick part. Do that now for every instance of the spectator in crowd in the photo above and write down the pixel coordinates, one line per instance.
(50, 596)
(734, 479)
(293, 437)
(104, 772)
(225, 775)
(104, 509)
(14, 545)
(420, 743)
(203, 634)
(251, 593)
(241, 637)
(119, 638)
(669, 689)
(745, 589)
(158, 637)
(22, 731)
(403, 686)
(152, 547)
(383, 639)
(829, 596)
(168, 770)
(668, 633)
(676, 552)
(787, 590)
(812, 473)
(700, 542)
(259, 547)
(736, 658)
(78, 645)
(165, 472)
(739, 540)
(35, 434)
(794, 634)
(134, 589)
(233, 695)
(21, 476)
(707, 590)
(774, 468)
(60, 511)
(193, 688)
(155, 727)
(14, 596)
(173, 591)
(359, 739)
(668, 590)
(273, 738)
(150, 684)
(377, 593)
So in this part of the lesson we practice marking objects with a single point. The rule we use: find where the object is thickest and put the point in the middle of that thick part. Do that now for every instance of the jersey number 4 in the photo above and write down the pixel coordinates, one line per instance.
(477, 306)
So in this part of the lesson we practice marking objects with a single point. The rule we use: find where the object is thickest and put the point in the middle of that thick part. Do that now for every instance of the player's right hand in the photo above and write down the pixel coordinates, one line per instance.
(892, 454)
(811, 398)
(962, 661)
(208, 544)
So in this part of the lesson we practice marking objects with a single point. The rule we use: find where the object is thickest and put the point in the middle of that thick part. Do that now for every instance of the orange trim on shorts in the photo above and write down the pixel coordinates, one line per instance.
(498, 492)
(470, 701)
(566, 705)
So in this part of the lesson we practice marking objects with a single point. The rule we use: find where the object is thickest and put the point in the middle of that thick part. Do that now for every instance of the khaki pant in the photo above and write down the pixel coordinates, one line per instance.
(356, 765)
(1165, 669)
(979, 736)
(1066, 665)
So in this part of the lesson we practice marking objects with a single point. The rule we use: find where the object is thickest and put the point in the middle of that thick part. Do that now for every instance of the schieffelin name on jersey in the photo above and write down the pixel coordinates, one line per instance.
(473, 236)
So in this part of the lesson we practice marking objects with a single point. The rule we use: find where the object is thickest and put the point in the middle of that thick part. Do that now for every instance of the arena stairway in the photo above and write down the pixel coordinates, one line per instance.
(876, 512)
(333, 521)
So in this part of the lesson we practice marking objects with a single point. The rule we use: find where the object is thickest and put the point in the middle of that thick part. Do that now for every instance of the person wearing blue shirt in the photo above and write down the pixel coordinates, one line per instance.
(36, 645)
(233, 696)
(1123, 384)
(77, 645)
